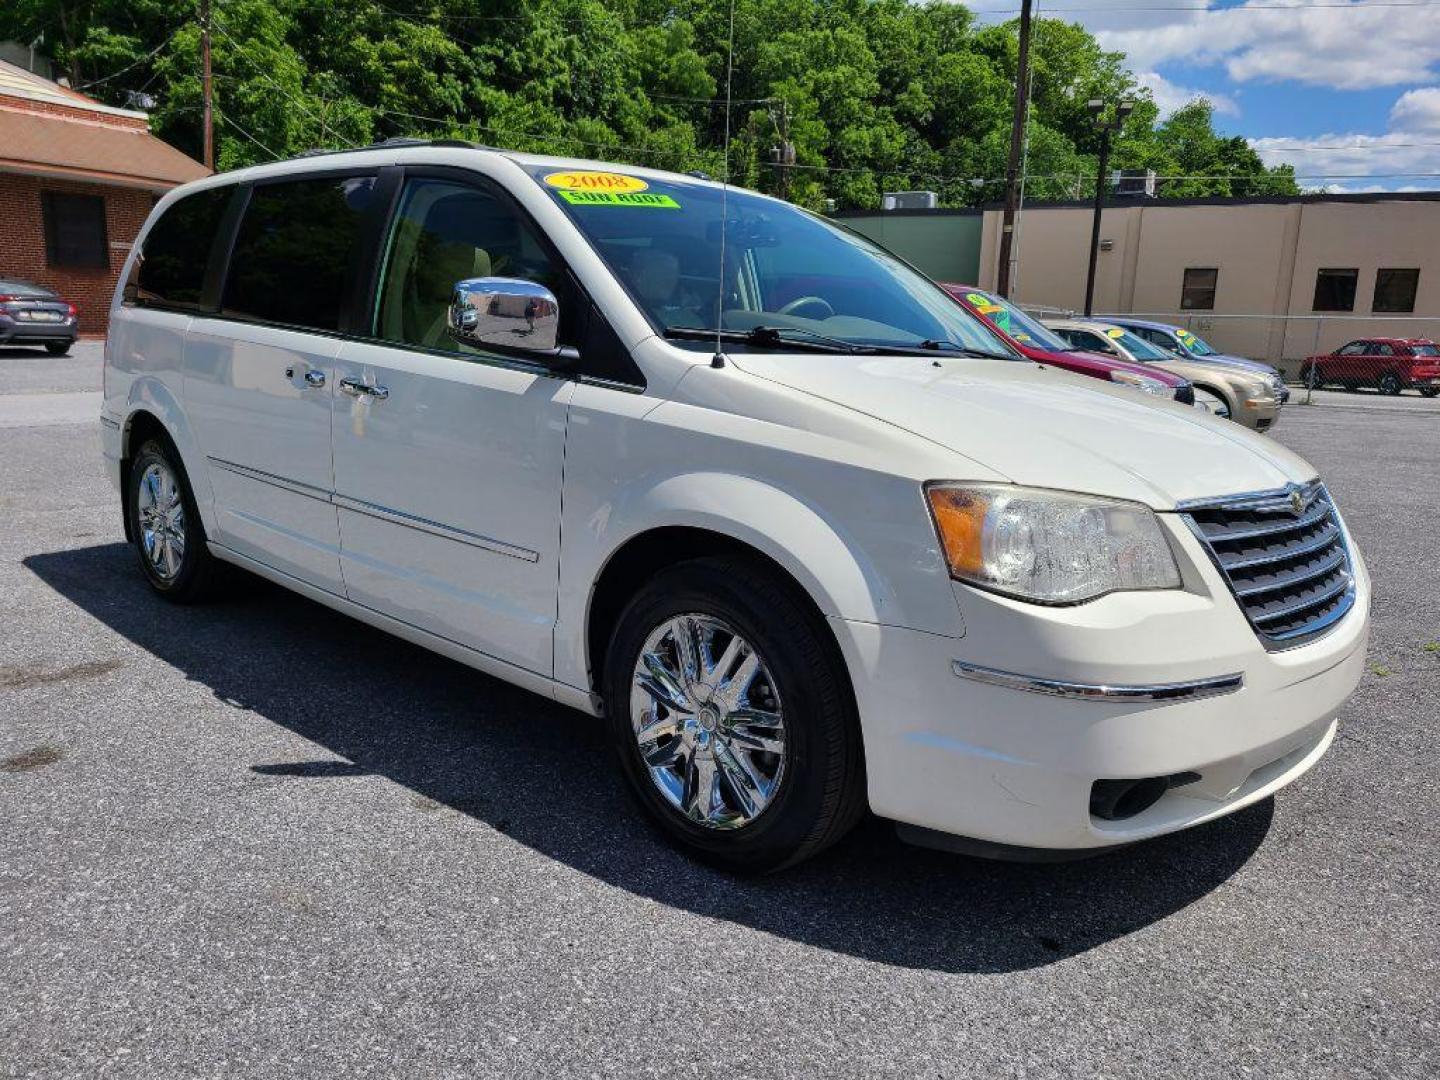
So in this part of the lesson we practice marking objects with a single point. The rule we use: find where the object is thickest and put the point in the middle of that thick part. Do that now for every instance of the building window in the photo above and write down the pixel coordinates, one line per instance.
(75, 230)
(1198, 292)
(1395, 290)
(1335, 290)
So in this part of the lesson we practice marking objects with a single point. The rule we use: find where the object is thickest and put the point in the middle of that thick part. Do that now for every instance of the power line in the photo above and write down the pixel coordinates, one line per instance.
(131, 66)
(226, 120)
(239, 49)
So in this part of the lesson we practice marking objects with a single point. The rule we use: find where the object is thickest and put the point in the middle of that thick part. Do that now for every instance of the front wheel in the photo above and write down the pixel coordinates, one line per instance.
(732, 717)
(1429, 391)
(165, 526)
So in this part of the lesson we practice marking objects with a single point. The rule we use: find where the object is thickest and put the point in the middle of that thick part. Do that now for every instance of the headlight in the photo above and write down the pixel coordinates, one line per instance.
(1142, 382)
(1049, 547)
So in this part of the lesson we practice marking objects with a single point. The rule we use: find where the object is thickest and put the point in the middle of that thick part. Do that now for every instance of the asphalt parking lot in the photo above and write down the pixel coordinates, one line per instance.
(257, 839)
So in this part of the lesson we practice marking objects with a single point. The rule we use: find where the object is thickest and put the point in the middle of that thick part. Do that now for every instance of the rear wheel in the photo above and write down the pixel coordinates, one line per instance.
(165, 526)
(1390, 383)
(732, 717)
(1429, 391)
(58, 348)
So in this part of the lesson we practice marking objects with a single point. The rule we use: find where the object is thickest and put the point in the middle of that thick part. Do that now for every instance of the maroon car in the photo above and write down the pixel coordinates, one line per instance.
(1044, 346)
(1389, 364)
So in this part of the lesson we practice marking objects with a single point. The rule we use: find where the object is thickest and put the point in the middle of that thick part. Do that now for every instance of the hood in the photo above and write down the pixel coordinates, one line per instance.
(1046, 428)
(1259, 367)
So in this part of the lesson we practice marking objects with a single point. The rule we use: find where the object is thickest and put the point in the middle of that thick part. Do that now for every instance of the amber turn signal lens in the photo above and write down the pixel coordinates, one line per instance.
(960, 521)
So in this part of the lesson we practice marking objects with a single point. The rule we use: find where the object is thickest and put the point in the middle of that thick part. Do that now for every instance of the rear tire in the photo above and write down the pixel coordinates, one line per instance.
(58, 348)
(748, 755)
(165, 527)
(1390, 384)
(1429, 391)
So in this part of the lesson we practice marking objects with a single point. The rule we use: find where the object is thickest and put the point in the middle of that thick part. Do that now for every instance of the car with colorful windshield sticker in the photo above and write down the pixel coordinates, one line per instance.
(1185, 344)
(804, 538)
(1035, 341)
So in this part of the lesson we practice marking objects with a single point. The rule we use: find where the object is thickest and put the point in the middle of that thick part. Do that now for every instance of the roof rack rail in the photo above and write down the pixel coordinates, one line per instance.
(393, 143)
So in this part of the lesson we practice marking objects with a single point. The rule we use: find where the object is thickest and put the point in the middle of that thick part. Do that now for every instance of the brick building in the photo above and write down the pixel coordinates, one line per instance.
(76, 181)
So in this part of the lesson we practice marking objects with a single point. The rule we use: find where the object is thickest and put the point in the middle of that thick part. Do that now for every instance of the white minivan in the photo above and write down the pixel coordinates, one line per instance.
(805, 534)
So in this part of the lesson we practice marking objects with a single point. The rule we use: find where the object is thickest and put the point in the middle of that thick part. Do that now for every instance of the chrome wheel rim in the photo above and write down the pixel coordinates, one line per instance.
(707, 721)
(161, 515)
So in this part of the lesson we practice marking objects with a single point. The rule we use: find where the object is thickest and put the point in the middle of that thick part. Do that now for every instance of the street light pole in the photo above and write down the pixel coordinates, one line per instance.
(1106, 130)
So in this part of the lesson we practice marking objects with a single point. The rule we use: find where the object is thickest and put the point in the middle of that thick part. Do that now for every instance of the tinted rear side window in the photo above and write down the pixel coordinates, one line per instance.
(171, 267)
(296, 250)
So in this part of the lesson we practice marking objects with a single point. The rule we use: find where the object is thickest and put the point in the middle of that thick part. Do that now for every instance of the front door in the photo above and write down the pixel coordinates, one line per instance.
(259, 378)
(448, 460)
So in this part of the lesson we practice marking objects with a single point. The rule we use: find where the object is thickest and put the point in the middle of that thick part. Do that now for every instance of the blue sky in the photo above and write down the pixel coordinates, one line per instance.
(1348, 88)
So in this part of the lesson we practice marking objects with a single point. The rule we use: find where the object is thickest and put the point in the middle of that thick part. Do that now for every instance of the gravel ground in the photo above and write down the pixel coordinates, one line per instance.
(257, 839)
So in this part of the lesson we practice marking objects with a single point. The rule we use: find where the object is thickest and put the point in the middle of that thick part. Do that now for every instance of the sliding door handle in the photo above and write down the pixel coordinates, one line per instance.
(356, 388)
(315, 379)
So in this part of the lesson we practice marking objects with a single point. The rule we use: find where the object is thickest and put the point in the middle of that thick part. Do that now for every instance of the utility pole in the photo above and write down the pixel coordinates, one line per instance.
(1017, 141)
(1106, 130)
(784, 154)
(209, 118)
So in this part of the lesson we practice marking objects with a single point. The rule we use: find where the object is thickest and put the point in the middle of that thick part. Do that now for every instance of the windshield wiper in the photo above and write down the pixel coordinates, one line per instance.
(769, 336)
(963, 350)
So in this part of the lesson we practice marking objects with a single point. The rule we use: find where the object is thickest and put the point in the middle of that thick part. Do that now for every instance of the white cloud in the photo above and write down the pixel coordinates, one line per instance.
(1170, 96)
(1417, 111)
(1360, 45)
(1409, 152)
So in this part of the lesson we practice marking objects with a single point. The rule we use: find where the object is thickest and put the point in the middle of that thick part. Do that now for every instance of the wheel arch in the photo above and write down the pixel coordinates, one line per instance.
(153, 411)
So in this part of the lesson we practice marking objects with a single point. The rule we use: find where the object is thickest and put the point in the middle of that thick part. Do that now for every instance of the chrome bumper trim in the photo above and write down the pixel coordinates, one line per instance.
(1176, 691)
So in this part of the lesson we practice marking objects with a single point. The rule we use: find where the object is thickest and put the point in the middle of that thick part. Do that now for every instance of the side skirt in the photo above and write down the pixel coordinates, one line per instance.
(563, 693)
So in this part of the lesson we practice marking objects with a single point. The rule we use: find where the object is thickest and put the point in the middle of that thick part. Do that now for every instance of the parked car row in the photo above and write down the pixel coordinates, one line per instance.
(34, 315)
(805, 535)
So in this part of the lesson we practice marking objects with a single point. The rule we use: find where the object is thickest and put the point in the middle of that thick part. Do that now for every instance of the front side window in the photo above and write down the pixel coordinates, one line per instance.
(296, 251)
(1383, 349)
(697, 259)
(1395, 290)
(1198, 291)
(444, 233)
(1335, 290)
(75, 230)
(170, 269)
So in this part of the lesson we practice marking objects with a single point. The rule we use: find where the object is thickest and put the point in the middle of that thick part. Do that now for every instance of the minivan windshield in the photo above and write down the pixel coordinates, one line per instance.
(791, 279)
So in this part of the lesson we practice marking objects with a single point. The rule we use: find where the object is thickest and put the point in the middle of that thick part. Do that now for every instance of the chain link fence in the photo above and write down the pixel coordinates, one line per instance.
(1361, 354)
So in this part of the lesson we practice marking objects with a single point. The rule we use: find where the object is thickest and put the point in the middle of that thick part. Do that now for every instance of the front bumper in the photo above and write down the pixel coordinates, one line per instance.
(978, 758)
(1257, 413)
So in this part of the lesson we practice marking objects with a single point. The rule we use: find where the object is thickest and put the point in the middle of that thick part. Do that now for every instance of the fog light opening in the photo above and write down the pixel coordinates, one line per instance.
(1116, 800)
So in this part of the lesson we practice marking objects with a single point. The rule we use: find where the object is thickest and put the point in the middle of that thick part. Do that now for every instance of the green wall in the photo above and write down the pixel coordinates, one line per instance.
(945, 245)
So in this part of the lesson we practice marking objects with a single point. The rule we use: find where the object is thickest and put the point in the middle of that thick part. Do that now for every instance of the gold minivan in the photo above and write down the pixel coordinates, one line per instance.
(1247, 397)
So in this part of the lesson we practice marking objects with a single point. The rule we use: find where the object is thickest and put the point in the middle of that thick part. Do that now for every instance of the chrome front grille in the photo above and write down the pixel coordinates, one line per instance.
(1284, 556)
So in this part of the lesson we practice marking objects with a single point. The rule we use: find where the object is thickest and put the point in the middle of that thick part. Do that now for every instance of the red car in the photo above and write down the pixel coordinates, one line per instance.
(1044, 346)
(1390, 364)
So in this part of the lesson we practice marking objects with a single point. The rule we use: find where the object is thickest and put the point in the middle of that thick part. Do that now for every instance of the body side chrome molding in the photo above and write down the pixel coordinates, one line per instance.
(1175, 691)
(435, 528)
(308, 490)
(383, 513)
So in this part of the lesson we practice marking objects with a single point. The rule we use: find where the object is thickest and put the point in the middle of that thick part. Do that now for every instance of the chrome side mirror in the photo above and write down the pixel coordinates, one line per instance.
(505, 313)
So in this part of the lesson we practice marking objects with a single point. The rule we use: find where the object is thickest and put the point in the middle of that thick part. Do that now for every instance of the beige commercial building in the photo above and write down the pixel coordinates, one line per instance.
(1269, 278)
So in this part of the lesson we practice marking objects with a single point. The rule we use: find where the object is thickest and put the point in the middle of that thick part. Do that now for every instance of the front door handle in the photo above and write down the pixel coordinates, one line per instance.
(356, 388)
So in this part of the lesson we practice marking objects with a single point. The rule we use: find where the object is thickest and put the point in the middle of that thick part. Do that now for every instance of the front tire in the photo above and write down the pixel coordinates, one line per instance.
(731, 712)
(1429, 391)
(165, 526)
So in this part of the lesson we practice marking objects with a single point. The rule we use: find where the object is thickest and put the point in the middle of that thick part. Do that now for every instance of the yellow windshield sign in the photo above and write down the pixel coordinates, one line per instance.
(619, 198)
(612, 183)
(1115, 332)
